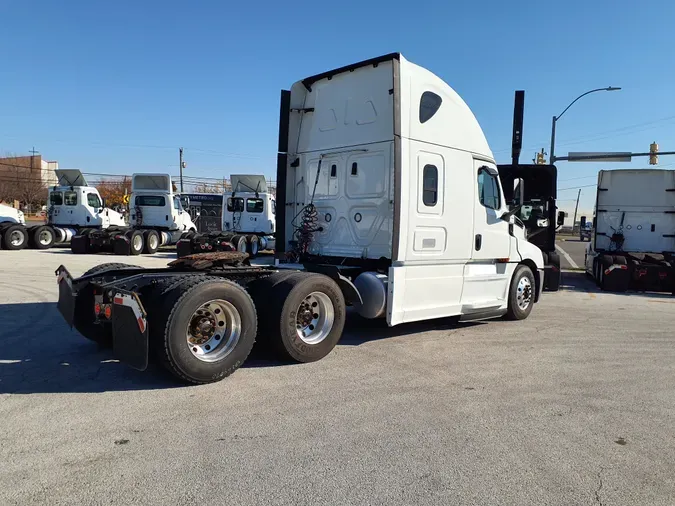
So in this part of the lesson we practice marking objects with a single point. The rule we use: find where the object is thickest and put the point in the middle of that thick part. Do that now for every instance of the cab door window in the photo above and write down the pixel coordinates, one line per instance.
(488, 189)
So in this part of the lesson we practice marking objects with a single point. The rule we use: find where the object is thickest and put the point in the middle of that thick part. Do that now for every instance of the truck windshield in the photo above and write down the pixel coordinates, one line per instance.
(150, 200)
(56, 199)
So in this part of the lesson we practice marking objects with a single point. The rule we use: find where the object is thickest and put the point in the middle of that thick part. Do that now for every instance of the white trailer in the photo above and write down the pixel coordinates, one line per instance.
(74, 208)
(632, 243)
(248, 220)
(156, 218)
(389, 197)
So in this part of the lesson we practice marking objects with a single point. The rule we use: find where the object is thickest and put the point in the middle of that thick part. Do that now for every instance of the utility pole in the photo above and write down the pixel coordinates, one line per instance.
(575, 210)
(181, 165)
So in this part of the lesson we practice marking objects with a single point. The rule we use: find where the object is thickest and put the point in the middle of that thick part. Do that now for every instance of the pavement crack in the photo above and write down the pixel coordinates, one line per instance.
(600, 484)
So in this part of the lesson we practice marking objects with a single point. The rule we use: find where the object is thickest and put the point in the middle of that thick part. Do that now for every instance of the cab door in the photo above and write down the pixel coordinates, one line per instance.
(486, 276)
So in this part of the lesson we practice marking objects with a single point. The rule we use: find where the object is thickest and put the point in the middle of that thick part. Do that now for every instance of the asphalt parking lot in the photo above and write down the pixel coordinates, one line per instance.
(574, 405)
(572, 252)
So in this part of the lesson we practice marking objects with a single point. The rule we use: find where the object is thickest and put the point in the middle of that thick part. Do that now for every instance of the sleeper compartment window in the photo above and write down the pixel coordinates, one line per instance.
(430, 185)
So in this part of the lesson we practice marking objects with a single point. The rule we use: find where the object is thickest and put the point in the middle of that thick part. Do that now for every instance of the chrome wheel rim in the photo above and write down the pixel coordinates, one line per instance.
(254, 247)
(16, 238)
(315, 318)
(214, 330)
(45, 237)
(138, 242)
(153, 242)
(242, 246)
(524, 292)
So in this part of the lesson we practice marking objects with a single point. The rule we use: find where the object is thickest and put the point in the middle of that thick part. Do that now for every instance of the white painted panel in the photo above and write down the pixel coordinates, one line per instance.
(370, 179)
(429, 240)
(485, 283)
(351, 108)
(355, 212)
(423, 292)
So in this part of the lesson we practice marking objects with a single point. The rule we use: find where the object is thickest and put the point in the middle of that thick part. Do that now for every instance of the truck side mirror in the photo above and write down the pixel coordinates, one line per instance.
(561, 218)
(518, 191)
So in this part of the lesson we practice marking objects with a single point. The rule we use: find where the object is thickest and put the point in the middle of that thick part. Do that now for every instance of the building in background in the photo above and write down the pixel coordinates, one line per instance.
(31, 167)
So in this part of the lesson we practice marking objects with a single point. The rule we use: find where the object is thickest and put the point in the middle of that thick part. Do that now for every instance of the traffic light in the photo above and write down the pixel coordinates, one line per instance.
(653, 153)
(540, 158)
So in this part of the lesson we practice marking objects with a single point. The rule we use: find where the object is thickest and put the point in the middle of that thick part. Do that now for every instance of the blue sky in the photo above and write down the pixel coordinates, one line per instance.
(117, 87)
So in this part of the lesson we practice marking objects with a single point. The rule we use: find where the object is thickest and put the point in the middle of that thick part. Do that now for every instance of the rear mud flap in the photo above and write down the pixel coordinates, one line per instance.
(66, 303)
(121, 246)
(130, 330)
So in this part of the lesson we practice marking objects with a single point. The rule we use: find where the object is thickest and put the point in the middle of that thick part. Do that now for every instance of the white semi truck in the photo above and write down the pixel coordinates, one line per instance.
(248, 220)
(633, 234)
(389, 196)
(156, 218)
(74, 208)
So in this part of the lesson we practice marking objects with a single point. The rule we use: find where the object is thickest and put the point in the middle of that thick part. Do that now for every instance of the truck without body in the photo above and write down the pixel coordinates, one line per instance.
(537, 211)
(156, 219)
(248, 220)
(389, 199)
(633, 235)
(74, 208)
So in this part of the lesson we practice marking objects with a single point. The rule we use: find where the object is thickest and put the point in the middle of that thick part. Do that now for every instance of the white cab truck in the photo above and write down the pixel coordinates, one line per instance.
(388, 198)
(633, 235)
(248, 220)
(74, 208)
(156, 218)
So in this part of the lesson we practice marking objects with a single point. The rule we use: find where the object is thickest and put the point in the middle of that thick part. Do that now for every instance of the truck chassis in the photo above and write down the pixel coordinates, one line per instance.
(199, 317)
(619, 271)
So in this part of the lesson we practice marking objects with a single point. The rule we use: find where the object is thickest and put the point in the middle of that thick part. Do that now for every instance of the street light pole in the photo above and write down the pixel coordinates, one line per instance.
(556, 118)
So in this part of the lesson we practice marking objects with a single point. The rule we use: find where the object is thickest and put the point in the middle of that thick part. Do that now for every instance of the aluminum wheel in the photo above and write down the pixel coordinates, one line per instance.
(315, 317)
(16, 238)
(254, 248)
(153, 242)
(45, 237)
(524, 292)
(214, 330)
(138, 242)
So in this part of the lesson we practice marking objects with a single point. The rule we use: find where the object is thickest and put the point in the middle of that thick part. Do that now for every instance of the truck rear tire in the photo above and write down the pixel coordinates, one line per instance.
(42, 237)
(521, 294)
(84, 317)
(303, 315)
(205, 330)
(253, 245)
(239, 243)
(136, 243)
(151, 242)
(14, 237)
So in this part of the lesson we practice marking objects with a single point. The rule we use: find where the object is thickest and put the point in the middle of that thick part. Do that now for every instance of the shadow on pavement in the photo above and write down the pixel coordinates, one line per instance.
(40, 354)
(578, 281)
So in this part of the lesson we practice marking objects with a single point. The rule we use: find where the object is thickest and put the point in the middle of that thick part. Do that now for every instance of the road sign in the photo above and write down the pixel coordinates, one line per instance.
(599, 156)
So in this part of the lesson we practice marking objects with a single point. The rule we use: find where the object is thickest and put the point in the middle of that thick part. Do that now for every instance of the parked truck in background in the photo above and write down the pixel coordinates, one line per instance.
(633, 236)
(248, 220)
(388, 196)
(74, 208)
(585, 229)
(156, 218)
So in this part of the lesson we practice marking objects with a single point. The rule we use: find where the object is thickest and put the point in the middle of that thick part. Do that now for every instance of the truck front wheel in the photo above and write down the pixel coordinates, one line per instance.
(208, 332)
(521, 294)
(303, 315)
(553, 274)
